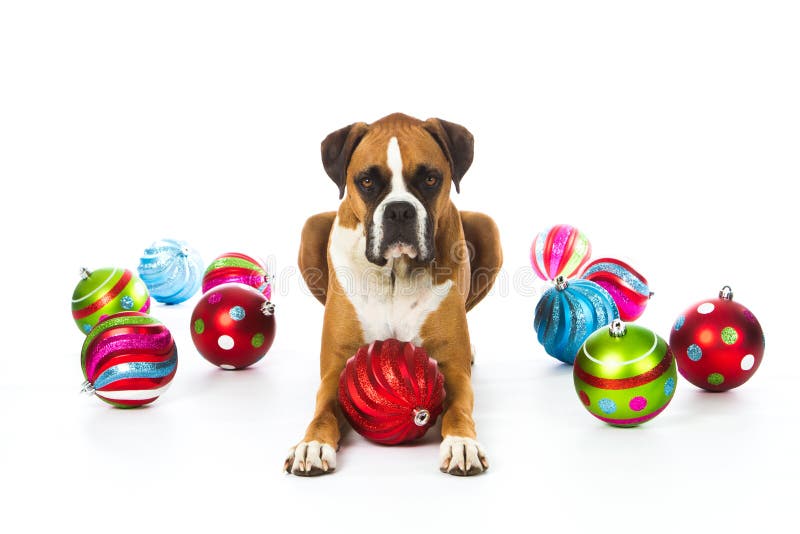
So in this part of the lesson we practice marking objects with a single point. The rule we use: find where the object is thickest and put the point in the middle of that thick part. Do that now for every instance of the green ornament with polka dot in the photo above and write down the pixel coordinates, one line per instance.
(104, 292)
(625, 375)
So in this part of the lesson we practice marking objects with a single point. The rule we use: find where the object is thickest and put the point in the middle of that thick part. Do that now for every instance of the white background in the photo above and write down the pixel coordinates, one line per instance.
(667, 131)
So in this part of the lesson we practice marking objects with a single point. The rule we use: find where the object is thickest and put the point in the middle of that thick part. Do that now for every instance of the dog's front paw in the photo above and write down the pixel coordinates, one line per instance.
(310, 458)
(462, 456)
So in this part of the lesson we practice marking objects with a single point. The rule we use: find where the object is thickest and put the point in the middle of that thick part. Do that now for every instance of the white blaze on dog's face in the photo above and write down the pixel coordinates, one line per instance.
(403, 228)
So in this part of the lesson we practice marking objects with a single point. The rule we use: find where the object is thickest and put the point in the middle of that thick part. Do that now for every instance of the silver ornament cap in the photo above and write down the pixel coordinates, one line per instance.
(561, 282)
(726, 293)
(268, 308)
(421, 417)
(617, 328)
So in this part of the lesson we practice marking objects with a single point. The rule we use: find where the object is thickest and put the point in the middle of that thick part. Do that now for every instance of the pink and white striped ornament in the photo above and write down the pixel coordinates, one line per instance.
(559, 250)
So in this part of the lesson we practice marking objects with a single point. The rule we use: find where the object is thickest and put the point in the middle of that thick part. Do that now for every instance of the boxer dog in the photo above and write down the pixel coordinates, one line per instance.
(397, 260)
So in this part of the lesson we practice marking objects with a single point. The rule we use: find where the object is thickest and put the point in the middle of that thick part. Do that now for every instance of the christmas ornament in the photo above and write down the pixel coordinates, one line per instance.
(240, 268)
(568, 312)
(624, 374)
(105, 292)
(627, 287)
(171, 270)
(718, 343)
(128, 359)
(559, 250)
(233, 326)
(391, 392)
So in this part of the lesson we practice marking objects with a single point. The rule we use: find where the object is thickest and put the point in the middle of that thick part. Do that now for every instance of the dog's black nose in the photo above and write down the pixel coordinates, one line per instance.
(399, 212)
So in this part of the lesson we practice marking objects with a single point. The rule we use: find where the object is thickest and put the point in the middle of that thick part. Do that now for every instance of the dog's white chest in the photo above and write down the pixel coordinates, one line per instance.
(386, 307)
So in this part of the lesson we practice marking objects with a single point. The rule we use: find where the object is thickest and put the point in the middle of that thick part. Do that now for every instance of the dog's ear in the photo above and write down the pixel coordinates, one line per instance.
(456, 143)
(337, 149)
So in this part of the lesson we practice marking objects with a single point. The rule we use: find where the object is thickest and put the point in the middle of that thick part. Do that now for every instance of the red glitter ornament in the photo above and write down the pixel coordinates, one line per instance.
(391, 392)
(233, 326)
(718, 343)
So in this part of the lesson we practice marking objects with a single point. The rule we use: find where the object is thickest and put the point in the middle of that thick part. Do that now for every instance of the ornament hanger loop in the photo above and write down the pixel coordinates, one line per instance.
(421, 417)
(617, 328)
(726, 293)
(87, 387)
(85, 273)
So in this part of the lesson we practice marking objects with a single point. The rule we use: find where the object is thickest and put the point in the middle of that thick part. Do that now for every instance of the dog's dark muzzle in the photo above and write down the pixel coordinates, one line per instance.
(400, 224)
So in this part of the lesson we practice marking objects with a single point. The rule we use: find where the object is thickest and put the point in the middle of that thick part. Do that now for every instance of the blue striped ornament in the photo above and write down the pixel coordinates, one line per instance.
(172, 271)
(568, 313)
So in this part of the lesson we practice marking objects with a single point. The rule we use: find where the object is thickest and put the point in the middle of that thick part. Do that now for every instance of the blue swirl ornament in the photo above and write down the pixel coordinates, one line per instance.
(568, 313)
(171, 270)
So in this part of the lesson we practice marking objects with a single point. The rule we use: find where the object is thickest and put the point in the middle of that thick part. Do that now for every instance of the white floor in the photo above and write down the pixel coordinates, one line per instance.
(208, 454)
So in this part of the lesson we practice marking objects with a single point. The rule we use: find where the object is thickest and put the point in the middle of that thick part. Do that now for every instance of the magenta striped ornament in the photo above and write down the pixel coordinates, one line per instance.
(128, 359)
(626, 286)
(237, 268)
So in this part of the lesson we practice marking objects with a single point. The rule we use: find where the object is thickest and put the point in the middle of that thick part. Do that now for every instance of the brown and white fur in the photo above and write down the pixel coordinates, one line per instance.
(397, 260)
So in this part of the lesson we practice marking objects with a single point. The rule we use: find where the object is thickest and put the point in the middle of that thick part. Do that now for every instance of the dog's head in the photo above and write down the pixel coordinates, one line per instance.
(397, 173)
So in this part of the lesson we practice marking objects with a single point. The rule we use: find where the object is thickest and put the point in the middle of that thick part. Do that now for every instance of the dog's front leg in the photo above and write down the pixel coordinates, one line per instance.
(316, 453)
(460, 453)
(446, 339)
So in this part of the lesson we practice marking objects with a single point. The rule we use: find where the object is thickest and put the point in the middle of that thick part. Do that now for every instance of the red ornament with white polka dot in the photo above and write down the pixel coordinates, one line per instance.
(233, 326)
(718, 343)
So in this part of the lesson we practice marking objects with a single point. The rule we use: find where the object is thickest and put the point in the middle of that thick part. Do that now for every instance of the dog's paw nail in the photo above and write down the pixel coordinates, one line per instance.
(311, 458)
(462, 456)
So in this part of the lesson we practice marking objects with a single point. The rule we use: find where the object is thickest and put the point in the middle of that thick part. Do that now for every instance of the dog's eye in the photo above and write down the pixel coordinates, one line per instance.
(431, 181)
(366, 183)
